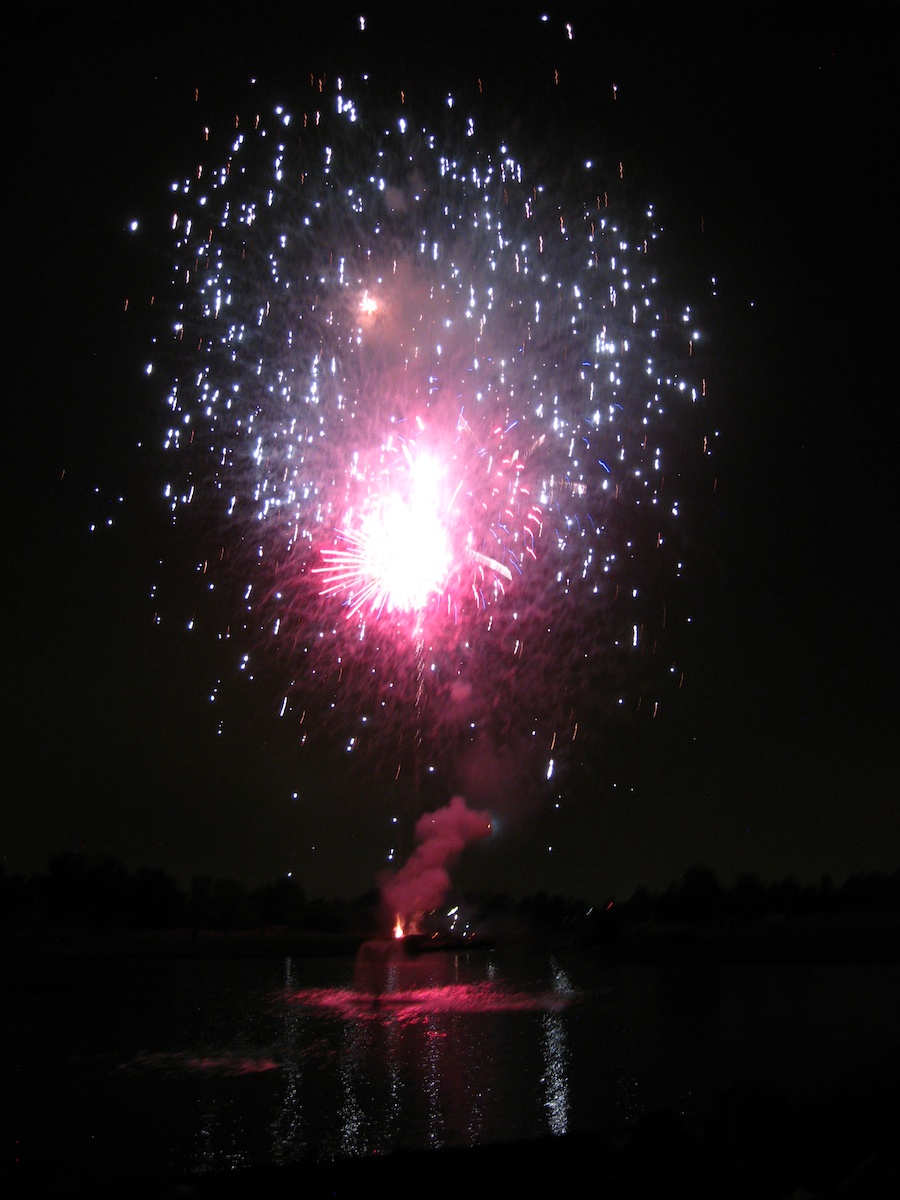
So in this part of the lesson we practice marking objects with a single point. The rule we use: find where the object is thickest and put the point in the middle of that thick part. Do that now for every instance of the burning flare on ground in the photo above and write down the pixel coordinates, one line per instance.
(423, 882)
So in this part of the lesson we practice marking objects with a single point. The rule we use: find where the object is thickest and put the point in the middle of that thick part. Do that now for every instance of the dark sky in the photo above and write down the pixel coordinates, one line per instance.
(776, 135)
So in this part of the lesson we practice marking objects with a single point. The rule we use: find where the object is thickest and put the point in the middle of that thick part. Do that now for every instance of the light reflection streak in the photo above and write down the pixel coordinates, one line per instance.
(556, 1064)
(556, 1073)
(287, 1123)
(352, 1142)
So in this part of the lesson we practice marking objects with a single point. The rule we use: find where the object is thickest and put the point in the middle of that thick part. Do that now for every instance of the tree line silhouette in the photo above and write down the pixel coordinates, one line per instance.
(99, 892)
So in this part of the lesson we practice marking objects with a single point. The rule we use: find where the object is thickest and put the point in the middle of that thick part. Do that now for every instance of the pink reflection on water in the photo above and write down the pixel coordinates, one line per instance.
(391, 981)
(177, 1062)
(406, 1004)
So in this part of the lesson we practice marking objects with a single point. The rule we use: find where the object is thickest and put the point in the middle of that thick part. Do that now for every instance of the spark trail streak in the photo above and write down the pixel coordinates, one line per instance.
(423, 400)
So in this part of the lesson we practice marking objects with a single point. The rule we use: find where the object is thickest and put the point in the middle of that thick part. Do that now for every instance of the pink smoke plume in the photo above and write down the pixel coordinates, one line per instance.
(422, 884)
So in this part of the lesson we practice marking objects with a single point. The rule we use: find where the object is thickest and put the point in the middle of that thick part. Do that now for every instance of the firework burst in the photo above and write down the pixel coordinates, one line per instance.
(421, 403)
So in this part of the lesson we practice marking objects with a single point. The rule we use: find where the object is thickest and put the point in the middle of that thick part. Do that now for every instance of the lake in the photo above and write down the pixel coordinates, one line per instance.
(126, 1067)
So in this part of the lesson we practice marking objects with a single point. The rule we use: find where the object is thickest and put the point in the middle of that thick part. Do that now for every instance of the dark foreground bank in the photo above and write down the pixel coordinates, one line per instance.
(756, 1148)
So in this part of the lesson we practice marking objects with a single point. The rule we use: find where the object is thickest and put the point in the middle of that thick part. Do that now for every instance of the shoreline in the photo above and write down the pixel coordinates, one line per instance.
(864, 938)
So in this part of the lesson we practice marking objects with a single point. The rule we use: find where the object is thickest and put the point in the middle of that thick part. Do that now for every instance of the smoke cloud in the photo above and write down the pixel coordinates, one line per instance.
(422, 884)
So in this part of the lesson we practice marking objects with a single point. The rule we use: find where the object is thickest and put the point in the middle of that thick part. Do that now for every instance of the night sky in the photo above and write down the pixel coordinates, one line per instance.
(769, 144)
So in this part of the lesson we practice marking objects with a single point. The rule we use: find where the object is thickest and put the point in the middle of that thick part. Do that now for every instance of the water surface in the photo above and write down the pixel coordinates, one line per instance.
(122, 1067)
